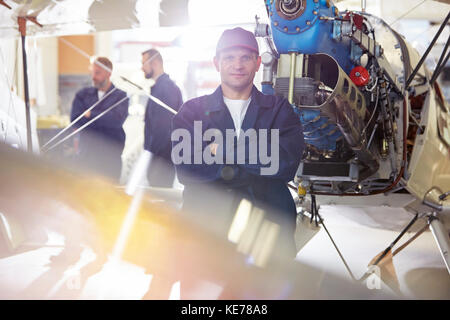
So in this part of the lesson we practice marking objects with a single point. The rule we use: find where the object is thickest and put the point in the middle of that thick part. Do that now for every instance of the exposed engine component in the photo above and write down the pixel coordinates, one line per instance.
(347, 95)
(290, 9)
(334, 114)
(360, 76)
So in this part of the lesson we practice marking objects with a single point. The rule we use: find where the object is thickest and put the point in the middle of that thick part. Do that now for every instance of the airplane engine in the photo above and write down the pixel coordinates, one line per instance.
(348, 96)
(334, 113)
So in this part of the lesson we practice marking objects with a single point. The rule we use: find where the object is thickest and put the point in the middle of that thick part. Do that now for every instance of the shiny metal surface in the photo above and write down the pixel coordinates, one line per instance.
(65, 17)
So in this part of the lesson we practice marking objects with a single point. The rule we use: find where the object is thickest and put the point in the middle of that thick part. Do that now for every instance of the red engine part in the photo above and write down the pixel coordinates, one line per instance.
(358, 20)
(360, 76)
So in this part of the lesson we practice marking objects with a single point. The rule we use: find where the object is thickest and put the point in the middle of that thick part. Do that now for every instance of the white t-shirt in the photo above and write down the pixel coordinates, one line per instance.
(100, 94)
(237, 109)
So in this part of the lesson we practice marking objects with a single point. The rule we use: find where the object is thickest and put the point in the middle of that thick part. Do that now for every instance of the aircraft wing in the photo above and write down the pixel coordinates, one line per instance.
(65, 17)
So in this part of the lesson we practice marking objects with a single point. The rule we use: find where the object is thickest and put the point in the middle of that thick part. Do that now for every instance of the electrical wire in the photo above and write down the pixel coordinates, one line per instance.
(375, 108)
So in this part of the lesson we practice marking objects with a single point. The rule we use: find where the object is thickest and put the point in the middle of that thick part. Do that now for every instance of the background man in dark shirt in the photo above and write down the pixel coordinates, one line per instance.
(102, 142)
(161, 172)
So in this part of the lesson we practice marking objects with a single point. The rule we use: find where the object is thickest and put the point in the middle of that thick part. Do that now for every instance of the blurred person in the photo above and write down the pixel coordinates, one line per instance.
(237, 105)
(158, 121)
(101, 143)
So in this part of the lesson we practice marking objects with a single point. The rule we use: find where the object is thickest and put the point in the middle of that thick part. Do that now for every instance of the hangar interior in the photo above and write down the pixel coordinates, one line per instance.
(49, 248)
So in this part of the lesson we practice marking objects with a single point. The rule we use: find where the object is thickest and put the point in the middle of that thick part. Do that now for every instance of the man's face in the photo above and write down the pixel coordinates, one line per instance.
(100, 76)
(237, 67)
(147, 66)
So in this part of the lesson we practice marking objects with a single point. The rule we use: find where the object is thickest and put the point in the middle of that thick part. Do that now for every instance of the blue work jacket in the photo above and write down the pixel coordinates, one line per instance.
(264, 112)
(158, 121)
(109, 126)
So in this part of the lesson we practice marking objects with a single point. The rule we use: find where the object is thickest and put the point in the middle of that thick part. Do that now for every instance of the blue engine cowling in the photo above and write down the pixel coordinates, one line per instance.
(306, 32)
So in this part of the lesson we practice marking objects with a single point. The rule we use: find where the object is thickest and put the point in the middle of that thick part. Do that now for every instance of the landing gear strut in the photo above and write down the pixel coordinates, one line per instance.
(442, 238)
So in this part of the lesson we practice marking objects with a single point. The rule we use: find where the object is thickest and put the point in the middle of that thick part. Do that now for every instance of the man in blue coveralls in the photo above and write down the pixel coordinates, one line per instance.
(101, 142)
(257, 120)
(158, 121)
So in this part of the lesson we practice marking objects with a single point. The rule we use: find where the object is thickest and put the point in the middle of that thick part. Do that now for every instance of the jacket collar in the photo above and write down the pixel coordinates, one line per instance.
(95, 90)
(215, 100)
(110, 88)
(161, 79)
(219, 111)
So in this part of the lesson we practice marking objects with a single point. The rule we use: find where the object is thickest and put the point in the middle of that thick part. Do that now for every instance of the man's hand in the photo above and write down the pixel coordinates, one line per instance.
(87, 114)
